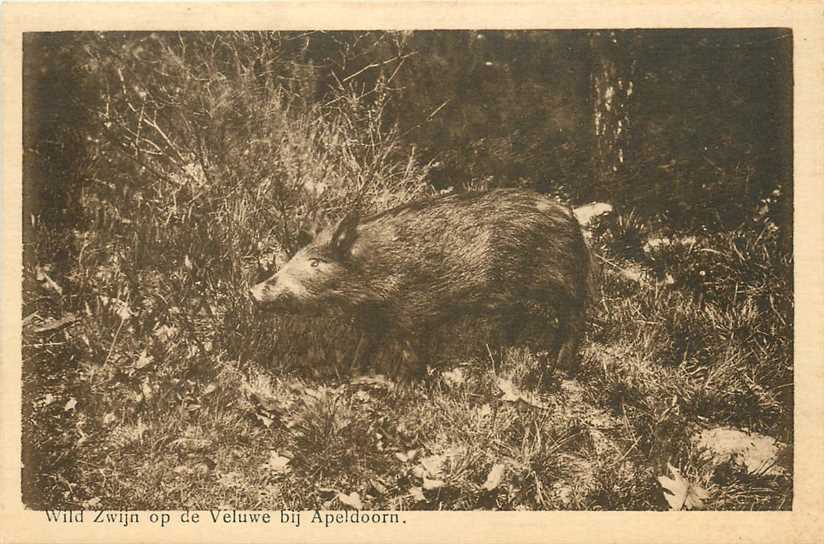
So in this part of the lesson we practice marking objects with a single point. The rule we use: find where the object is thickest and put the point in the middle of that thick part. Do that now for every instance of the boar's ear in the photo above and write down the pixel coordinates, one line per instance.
(309, 230)
(344, 235)
(306, 235)
(304, 238)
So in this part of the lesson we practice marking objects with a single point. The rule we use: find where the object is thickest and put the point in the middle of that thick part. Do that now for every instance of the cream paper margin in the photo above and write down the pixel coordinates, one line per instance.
(806, 18)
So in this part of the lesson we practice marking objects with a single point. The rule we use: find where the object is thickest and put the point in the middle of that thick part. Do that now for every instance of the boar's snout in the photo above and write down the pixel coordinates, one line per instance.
(260, 292)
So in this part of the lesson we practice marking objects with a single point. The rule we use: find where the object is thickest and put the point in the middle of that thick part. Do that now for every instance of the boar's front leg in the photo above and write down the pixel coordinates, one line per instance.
(372, 333)
(365, 351)
(406, 354)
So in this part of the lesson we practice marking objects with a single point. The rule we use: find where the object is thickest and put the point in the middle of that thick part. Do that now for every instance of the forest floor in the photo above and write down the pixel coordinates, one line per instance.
(678, 404)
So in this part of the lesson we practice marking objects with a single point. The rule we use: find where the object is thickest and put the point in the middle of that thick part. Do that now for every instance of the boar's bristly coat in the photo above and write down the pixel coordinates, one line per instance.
(404, 271)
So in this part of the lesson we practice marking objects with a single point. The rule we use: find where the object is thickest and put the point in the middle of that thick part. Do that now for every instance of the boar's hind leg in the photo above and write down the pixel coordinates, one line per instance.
(571, 322)
(409, 365)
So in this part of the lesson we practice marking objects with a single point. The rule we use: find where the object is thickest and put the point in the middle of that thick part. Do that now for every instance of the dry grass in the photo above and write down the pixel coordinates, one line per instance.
(168, 416)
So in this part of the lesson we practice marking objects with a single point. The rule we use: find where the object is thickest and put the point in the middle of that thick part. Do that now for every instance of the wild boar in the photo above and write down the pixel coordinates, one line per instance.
(404, 272)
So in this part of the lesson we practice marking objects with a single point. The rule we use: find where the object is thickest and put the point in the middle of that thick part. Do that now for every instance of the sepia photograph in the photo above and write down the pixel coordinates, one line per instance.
(358, 273)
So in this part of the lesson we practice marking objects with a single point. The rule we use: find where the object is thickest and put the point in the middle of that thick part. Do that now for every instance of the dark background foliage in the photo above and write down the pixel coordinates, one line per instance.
(712, 121)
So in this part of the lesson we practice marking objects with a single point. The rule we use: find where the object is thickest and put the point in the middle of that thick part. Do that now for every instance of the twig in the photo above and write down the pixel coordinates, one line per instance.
(57, 324)
(44, 345)
(114, 340)
(429, 118)
(436, 110)
(632, 447)
(607, 261)
(491, 358)
(377, 65)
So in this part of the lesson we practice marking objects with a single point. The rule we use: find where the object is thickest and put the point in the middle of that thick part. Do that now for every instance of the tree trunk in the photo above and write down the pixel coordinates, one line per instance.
(613, 99)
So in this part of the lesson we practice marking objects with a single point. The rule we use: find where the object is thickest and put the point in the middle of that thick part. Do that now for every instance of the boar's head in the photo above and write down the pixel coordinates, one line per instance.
(314, 277)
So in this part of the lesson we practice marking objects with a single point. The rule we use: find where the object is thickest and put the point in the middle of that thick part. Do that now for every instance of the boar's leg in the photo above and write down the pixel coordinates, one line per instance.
(512, 328)
(571, 322)
(363, 353)
(512, 321)
(410, 365)
(373, 333)
(406, 353)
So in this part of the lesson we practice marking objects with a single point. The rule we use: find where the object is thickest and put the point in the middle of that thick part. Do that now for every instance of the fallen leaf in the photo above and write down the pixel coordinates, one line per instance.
(273, 491)
(210, 389)
(313, 393)
(144, 360)
(454, 377)
(266, 402)
(379, 488)
(406, 456)
(362, 396)
(511, 393)
(91, 503)
(202, 468)
(352, 500)
(230, 479)
(586, 213)
(137, 431)
(633, 273)
(266, 420)
(759, 453)
(432, 484)
(376, 381)
(494, 477)
(433, 464)
(45, 279)
(533, 400)
(417, 493)
(70, 405)
(680, 493)
(327, 492)
(564, 494)
(48, 399)
(164, 333)
(277, 463)
(190, 444)
(28, 319)
(147, 390)
(123, 311)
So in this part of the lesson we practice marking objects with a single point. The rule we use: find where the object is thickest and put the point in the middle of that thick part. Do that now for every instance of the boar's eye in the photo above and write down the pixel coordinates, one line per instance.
(314, 262)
